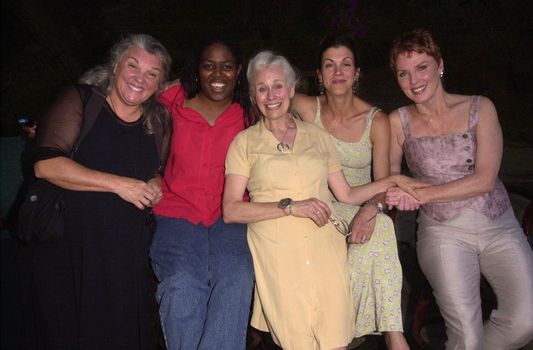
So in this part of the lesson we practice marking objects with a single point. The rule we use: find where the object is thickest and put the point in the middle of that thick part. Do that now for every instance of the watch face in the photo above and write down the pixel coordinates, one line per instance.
(285, 203)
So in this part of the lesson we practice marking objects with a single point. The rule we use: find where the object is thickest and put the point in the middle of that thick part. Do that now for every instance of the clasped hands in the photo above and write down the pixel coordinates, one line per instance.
(403, 196)
(139, 193)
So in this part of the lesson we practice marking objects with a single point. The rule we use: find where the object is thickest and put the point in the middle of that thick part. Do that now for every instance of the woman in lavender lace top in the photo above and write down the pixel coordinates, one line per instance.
(466, 226)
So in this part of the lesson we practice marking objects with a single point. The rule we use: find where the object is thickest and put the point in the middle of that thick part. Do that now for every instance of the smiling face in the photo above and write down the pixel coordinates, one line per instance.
(137, 76)
(338, 71)
(418, 75)
(218, 73)
(272, 93)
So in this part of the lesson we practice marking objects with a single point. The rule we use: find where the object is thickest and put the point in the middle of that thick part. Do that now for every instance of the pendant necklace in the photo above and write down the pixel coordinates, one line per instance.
(282, 146)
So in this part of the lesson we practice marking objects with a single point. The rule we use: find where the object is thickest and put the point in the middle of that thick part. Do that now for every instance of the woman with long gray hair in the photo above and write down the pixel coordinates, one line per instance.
(90, 288)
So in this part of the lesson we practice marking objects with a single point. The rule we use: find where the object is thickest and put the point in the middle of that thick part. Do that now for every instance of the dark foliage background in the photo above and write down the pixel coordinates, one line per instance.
(487, 46)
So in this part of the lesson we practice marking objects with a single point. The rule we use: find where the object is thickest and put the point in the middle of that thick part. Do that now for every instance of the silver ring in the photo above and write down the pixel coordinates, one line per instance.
(317, 213)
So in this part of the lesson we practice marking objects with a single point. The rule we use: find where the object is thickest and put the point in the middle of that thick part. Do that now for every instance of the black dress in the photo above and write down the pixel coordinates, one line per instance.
(92, 290)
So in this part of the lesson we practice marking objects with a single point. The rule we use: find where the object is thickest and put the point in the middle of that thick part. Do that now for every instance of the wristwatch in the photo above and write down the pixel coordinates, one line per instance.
(286, 204)
(380, 207)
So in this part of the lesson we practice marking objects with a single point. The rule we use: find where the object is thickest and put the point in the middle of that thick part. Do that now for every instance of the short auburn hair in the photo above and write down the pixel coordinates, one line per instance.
(417, 40)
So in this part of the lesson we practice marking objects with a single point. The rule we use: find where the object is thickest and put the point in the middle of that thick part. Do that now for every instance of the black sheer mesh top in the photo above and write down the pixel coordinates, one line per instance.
(60, 127)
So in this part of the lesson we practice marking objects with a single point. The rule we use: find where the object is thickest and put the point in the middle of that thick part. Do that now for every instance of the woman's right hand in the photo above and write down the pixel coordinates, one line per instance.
(138, 193)
(313, 209)
(170, 84)
(396, 197)
(408, 185)
(363, 224)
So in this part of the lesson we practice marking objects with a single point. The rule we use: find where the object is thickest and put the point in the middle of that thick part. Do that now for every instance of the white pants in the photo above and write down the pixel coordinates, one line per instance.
(453, 254)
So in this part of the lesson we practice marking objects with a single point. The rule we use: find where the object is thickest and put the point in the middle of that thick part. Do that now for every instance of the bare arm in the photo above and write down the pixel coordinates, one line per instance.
(359, 194)
(234, 209)
(488, 159)
(380, 137)
(66, 173)
(304, 106)
(396, 142)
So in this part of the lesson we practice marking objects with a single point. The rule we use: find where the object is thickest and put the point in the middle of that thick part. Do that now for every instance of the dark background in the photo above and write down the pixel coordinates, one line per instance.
(48, 44)
(486, 44)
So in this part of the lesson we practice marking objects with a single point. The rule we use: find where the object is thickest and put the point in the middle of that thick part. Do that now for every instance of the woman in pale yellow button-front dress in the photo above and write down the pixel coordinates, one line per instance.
(302, 291)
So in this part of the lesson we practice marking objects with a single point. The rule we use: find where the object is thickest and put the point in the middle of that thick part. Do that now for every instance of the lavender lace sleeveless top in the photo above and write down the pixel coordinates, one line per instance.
(441, 159)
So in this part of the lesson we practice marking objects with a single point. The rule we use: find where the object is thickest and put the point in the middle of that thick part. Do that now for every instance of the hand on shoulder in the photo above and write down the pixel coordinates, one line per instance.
(172, 93)
(169, 84)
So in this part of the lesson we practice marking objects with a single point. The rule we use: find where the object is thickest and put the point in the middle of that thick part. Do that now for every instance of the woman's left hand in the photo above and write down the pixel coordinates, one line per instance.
(362, 225)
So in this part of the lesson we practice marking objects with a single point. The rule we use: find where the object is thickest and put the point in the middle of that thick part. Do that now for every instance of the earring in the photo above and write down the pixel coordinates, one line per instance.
(355, 87)
(441, 74)
(320, 87)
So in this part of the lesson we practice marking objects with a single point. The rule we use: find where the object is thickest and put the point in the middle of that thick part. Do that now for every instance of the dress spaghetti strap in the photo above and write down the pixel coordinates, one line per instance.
(404, 118)
(474, 114)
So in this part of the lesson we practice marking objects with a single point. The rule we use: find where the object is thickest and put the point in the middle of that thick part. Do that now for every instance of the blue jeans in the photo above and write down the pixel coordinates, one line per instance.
(205, 283)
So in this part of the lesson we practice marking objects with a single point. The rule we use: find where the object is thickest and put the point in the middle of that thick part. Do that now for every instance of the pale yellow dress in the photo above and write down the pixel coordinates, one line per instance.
(375, 270)
(302, 293)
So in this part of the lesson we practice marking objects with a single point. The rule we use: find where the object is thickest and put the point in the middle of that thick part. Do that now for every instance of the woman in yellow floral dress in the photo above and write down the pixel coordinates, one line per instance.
(360, 133)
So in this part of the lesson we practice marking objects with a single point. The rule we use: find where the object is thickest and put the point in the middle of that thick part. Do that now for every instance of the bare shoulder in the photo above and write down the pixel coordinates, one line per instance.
(459, 106)
(457, 102)
(381, 120)
(380, 115)
(394, 117)
(380, 130)
(487, 108)
(488, 119)
(305, 106)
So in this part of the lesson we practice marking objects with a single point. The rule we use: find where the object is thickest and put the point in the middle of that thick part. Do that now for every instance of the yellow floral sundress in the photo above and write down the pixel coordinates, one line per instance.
(374, 267)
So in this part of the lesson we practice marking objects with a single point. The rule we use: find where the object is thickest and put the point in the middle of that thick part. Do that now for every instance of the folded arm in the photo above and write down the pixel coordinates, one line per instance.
(234, 209)
(68, 174)
(488, 159)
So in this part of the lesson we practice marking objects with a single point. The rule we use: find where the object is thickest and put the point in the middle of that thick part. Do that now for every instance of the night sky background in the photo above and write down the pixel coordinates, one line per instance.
(487, 45)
